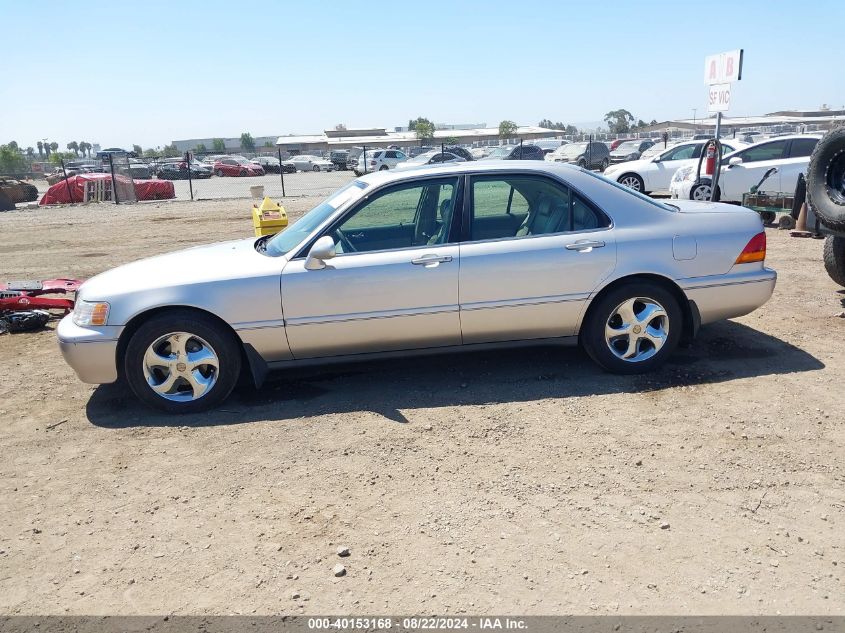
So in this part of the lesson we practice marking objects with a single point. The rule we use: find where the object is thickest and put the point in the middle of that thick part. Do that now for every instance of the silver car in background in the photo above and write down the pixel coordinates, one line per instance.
(463, 256)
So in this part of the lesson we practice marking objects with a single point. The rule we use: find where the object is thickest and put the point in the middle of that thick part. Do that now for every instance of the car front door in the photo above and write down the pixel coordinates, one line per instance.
(393, 284)
(756, 161)
(798, 160)
(533, 253)
(659, 174)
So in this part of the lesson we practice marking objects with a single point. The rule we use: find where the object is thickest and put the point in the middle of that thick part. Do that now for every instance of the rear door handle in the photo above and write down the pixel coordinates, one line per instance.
(425, 260)
(584, 245)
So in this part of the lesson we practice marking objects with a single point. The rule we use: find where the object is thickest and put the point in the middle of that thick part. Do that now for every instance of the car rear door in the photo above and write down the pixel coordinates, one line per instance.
(392, 286)
(798, 160)
(532, 253)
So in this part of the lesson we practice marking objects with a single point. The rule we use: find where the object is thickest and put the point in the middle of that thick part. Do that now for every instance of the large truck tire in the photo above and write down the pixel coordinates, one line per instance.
(834, 258)
(6, 203)
(826, 180)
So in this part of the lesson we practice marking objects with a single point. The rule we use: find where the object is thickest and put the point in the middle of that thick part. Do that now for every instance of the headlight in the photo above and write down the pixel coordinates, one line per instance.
(90, 313)
(682, 174)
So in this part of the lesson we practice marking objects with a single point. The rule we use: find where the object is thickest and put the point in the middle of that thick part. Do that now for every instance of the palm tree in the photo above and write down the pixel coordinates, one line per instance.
(30, 152)
(74, 147)
(54, 147)
(85, 148)
(40, 146)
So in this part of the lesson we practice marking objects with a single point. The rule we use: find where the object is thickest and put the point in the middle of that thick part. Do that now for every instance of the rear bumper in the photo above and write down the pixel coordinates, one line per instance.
(91, 353)
(728, 296)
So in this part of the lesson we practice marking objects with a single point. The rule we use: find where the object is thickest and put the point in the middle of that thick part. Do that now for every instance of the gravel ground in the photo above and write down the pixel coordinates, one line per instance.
(512, 482)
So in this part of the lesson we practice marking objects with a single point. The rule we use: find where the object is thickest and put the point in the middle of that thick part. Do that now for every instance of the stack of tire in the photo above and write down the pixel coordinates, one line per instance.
(826, 197)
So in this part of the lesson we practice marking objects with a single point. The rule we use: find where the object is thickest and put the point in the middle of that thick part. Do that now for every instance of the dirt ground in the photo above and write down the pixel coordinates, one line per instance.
(525, 482)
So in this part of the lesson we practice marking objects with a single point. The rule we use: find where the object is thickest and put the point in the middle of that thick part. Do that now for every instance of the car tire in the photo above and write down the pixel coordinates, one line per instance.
(834, 258)
(220, 172)
(604, 164)
(632, 181)
(150, 359)
(6, 203)
(826, 180)
(701, 192)
(582, 164)
(383, 168)
(243, 173)
(648, 337)
(315, 168)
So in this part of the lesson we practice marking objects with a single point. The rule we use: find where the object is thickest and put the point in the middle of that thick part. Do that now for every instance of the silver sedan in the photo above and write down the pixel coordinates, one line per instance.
(464, 256)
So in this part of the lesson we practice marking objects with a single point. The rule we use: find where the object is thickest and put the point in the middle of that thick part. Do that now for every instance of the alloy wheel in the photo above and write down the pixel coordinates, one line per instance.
(632, 182)
(701, 193)
(637, 329)
(181, 367)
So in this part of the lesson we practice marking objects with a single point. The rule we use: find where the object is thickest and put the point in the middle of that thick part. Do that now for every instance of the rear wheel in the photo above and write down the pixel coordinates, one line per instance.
(383, 168)
(315, 168)
(582, 163)
(604, 164)
(632, 181)
(834, 258)
(182, 362)
(633, 328)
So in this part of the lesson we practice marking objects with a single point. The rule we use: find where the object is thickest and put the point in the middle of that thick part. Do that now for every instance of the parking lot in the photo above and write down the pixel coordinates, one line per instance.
(522, 481)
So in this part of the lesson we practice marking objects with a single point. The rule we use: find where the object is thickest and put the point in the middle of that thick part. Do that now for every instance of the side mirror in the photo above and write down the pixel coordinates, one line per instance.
(322, 249)
(736, 160)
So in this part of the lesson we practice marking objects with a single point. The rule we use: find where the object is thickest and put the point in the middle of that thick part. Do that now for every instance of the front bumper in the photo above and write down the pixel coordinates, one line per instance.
(91, 352)
(680, 190)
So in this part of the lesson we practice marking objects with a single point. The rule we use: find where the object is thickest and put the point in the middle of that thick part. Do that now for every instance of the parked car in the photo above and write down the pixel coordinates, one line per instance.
(479, 153)
(417, 150)
(178, 170)
(587, 154)
(526, 151)
(135, 170)
(306, 162)
(270, 164)
(745, 168)
(616, 143)
(544, 253)
(237, 167)
(433, 157)
(655, 173)
(379, 160)
(457, 150)
(340, 158)
(548, 145)
(629, 150)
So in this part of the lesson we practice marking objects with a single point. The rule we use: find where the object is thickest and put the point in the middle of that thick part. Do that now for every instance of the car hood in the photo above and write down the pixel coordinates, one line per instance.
(197, 265)
(617, 153)
(631, 164)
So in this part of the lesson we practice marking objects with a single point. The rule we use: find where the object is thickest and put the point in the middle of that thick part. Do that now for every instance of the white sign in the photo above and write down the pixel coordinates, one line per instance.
(723, 68)
(719, 98)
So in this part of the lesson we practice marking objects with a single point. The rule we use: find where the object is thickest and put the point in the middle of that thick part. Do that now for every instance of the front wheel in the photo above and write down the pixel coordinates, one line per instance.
(633, 329)
(702, 191)
(182, 362)
(315, 168)
(220, 172)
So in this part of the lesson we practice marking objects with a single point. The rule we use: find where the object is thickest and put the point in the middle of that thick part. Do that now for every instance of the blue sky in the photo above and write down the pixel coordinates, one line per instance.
(118, 73)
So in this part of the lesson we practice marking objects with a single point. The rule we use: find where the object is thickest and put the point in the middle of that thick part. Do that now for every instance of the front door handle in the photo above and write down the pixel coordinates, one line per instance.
(426, 260)
(584, 245)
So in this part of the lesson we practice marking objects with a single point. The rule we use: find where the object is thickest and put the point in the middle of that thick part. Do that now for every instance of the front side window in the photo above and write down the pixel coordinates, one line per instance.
(403, 216)
(767, 151)
(521, 206)
(681, 153)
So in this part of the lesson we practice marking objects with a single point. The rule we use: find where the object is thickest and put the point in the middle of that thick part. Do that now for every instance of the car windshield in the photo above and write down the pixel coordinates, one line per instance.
(628, 146)
(501, 152)
(573, 149)
(283, 242)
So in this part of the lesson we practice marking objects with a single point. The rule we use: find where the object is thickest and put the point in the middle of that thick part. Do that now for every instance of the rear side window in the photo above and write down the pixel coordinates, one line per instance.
(802, 147)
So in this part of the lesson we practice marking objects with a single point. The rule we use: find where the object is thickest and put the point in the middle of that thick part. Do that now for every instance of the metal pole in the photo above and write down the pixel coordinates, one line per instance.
(442, 150)
(282, 172)
(67, 184)
(520, 149)
(590, 153)
(718, 158)
(188, 166)
(365, 159)
(113, 181)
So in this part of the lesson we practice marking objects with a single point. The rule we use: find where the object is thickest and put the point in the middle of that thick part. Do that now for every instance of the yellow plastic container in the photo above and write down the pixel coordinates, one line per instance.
(269, 218)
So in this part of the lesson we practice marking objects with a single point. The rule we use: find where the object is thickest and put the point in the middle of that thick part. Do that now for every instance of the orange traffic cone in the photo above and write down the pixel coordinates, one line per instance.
(801, 224)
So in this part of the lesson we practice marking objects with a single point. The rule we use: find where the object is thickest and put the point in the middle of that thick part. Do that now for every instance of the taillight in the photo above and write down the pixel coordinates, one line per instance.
(372, 163)
(754, 251)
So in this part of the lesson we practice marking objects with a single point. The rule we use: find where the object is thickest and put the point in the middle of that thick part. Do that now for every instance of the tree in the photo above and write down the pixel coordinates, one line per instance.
(201, 148)
(247, 142)
(507, 129)
(47, 150)
(424, 130)
(571, 129)
(653, 122)
(413, 123)
(137, 149)
(151, 153)
(54, 147)
(268, 144)
(11, 159)
(170, 151)
(74, 147)
(85, 148)
(618, 121)
(218, 145)
(451, 140)
(40, 147)
(30, 152)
